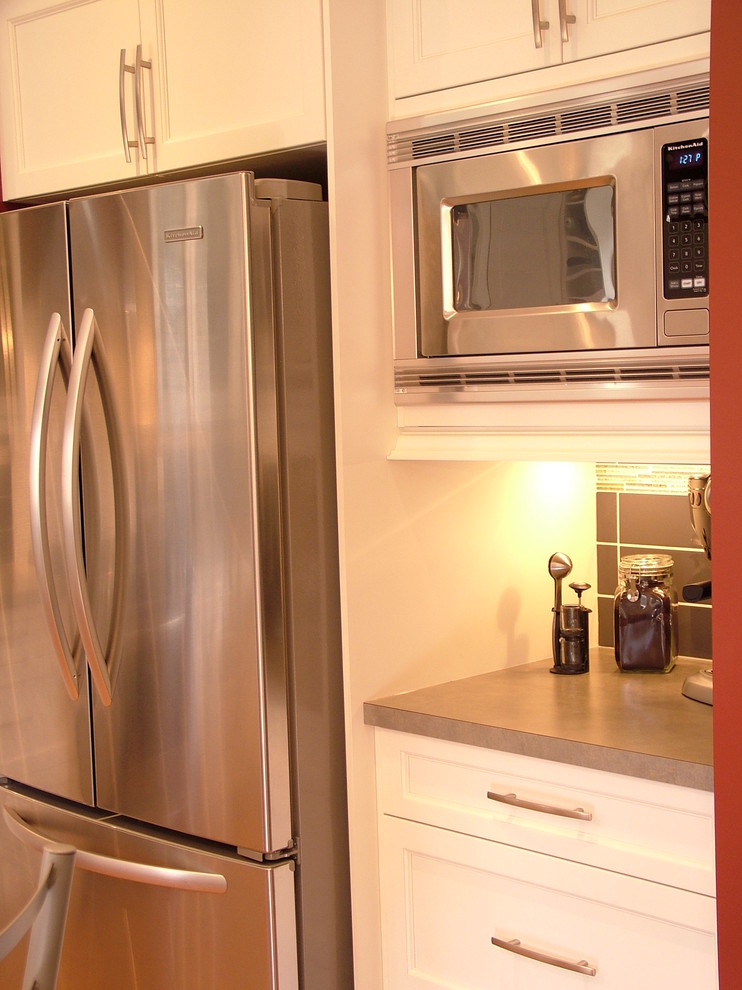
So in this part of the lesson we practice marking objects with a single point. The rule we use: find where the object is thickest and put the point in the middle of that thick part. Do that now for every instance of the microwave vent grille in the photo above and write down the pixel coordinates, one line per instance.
(412, 381)
(628, 111)
(587, 118)
(532, 128)
(622, 110)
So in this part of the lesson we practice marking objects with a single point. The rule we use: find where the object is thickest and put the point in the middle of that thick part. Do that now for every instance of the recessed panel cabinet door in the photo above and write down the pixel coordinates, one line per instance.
(60, 95)
(435, 44)
(604, 26)
(233, 79)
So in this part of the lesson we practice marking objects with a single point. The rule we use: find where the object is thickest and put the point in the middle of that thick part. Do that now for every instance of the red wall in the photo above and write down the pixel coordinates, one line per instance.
(725, 139)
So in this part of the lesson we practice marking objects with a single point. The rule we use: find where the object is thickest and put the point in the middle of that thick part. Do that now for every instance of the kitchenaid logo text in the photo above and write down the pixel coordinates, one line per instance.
(685, 144)
(184, 234)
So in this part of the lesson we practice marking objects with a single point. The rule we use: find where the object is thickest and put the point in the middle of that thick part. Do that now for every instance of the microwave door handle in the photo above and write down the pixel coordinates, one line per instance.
(56, 351)
(89, 350)
(565, 20)
(539, 25)
(122, 869)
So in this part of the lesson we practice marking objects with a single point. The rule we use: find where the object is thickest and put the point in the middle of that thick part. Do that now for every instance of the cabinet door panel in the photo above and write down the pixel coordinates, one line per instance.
(604, 26)
(445, 895)
(231, 80)
(438, 45)
(59, 93)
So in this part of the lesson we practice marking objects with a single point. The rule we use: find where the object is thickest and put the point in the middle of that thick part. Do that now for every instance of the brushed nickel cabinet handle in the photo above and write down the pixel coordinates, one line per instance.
(565, 19)
(123, 69)
(547, 809)
(539, 25)
(141, 63)
(516, 946)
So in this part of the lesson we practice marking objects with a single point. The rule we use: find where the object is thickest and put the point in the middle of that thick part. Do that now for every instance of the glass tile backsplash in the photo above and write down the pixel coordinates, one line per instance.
(642, 512)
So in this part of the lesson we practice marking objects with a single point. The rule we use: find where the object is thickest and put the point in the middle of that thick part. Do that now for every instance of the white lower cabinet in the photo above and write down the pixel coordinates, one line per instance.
(446, 896)
(556, 921)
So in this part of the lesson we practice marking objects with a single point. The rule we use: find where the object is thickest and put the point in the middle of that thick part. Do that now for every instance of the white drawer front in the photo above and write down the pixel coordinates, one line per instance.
(445, 896)
(642, 828)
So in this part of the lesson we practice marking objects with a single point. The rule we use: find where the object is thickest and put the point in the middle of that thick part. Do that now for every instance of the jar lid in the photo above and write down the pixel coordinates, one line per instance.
(646, 565)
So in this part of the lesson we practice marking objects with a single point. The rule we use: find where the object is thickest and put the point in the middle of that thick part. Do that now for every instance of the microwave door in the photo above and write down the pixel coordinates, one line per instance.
(547, 249)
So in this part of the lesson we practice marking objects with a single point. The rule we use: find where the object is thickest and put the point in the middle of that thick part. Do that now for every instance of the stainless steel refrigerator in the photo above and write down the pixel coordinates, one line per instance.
(170, 671)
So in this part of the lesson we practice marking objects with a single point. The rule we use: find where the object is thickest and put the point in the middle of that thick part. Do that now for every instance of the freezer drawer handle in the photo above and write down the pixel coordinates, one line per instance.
(122, 869)
(547, 809)
(45, 916)
(89, 350)
(56, 351)
(515, 945)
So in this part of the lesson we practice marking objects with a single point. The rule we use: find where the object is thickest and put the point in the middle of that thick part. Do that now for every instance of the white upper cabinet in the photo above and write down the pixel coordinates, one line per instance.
(99, 91)
(60, 119)
(438, 45)
(233, 79)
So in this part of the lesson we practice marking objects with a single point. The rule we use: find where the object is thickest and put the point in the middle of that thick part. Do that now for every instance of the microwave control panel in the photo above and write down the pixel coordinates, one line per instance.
(685, 219)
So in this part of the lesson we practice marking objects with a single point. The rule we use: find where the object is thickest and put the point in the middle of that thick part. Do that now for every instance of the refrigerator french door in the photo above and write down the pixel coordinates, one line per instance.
(182, 523)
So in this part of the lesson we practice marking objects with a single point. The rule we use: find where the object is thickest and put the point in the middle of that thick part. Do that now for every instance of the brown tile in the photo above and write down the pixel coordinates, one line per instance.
(655, 520)
(694, 631)
(607, 569)
(606, 505)
(605, 622)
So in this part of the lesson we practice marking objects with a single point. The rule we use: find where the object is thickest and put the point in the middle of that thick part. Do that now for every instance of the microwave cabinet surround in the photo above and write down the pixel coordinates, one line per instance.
(607, 876)
(564, 246)
(101, 92)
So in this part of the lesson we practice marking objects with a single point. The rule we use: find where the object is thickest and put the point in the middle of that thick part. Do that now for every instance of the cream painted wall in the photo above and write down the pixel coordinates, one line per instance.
(443, 564)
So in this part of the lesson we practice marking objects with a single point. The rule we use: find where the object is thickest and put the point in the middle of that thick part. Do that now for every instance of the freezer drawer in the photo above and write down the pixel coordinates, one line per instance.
(123, 934)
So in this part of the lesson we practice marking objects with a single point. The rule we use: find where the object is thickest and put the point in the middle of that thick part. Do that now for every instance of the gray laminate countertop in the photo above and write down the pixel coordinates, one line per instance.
(638, 724)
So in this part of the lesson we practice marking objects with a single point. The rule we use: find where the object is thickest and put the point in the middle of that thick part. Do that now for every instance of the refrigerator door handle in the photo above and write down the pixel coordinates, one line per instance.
(123, 869)
(56, 351)
(89, 349)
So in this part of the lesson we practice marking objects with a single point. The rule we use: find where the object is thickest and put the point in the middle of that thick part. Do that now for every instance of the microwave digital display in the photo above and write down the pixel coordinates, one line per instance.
(688, 156)
(523, 252)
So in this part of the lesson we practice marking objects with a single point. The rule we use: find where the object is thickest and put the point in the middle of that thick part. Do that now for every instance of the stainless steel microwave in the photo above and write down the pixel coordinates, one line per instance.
(567, 246)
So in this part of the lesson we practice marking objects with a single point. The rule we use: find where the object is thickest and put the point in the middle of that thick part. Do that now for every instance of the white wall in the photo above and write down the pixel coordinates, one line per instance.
(443, 564)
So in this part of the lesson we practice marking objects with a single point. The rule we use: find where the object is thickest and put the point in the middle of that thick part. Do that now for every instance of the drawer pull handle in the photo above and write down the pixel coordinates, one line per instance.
(547, 809)
(514, 945)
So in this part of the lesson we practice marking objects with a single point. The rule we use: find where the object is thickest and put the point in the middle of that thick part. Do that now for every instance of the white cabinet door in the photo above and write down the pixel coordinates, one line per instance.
(437, 44)
(440, 45)
(60, 125)
(445, 896)
(233, 79)
(605, 26)
(222, 81)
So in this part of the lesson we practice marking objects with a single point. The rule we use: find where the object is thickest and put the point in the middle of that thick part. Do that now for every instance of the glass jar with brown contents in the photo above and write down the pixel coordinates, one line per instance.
(645, 613)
